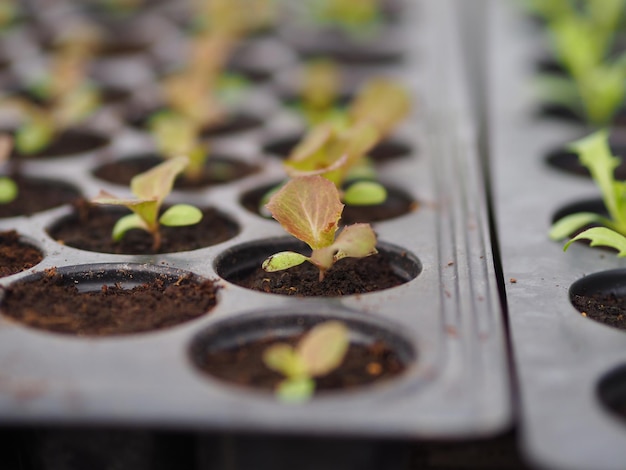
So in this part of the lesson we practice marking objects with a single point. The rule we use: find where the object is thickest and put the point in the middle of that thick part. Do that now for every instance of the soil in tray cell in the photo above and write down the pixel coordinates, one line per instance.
(218, 170)
(54, 303)
(68, 143)
(35, 195)
(348, 276)
(16, 256)
(364, 364)
(604, 308)
(90, 229)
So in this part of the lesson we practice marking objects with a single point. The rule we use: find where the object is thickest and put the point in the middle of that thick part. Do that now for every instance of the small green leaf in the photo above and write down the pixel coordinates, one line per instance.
(558, 89)
(355, 241)
(365, 193)
(282, 358)
(297, 390)
(33, 136)
(602, 236)
(569, 224)
(127, 223)
(8, 190)
(323, 348)
(181, 215)
(283, 260)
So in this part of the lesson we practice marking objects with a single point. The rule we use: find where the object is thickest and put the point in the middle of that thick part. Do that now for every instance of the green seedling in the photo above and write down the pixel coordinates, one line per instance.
(9, 13)
(67, 99)
(359, 18)
(582, 39)
(8, 187)
(318, 353)
(150, 189)
(309, 208)
(235, 18)
(318, 95)
(595, 154)
(336, 152)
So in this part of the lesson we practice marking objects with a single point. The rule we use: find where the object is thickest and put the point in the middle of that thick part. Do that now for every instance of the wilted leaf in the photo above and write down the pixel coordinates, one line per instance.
(158, 182)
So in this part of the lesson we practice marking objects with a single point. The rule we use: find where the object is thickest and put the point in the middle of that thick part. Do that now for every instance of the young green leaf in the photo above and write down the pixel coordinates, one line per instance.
(8, 187)
(602, 236)
(181, 215)
(365, 193)
(283, 260)
(569, 224)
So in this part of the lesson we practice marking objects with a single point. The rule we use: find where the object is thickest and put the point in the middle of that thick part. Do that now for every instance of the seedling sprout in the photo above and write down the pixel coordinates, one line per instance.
(8, 187)
(150, 189)
(309, 208)
(595, 154)
(318, 353)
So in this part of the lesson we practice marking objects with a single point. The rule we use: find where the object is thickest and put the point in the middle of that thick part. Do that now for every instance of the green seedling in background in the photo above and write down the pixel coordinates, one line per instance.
(318, 95)
(9, 13)
(359, 18)
(336, 153)
(582, 39)
(318, 353)
(595, 154)
(150, 189)
(309, 209)
(8, 187)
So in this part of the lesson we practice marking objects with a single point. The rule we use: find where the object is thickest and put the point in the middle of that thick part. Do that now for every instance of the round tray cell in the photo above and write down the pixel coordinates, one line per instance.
(89, 228)
(241, 265)
(387, 150)
(567, 161)
(398, 203)
(231, 350)
(234, 123)
(611, 391)
(37, 195)
(587, 205)
(218, 170)
(602, 297)
(69, 143)
(15, 255)
(108, 299)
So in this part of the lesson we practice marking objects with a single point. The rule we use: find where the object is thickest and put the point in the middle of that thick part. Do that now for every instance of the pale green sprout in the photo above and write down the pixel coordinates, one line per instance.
(318, 95)
(582, 41)
(8, 187)
(360, 18)
(595, 154)
(309, 208)
(150, 189)
(318, 353)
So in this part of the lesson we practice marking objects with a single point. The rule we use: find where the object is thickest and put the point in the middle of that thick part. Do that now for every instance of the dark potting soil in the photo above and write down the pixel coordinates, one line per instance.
(16, 256)
(68, 143)
(363, 364)
(54, 303)
(218, 170)
(385, 151)
(35, 195)
(397, 204)
(604, 308)
(90, 227)
(233, 123)
(347, 277)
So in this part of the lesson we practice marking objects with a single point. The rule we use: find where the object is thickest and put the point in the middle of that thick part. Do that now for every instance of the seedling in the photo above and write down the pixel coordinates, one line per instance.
(8, 187)
(595, 154)
(359, 18)
(582, 41)
(68, 98)
(318, 353)
(320, 87)
(151, 188)
(336, 152)
(309, 208)
(9, 13)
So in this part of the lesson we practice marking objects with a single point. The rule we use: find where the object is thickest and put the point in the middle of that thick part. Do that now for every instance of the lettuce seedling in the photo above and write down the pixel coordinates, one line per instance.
(359, 18)
(151, 188)
(8, 187)
(317, 353)
(309, 208)
(595, 154)
(335, 152)
(318, 95)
